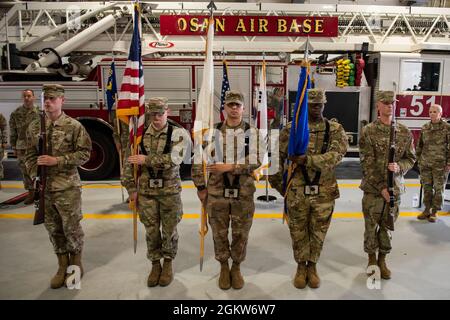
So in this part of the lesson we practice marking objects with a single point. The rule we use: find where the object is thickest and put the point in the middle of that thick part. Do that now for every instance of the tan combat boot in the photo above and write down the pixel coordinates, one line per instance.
(313, 277)
(166, 275)
(30, 198)
(225, 277)
(75, 259)
(300, 276)
(237, 281)
(432, 217)
(153, 277)
(385, 272)
(60, 276)
(424, 215)
(372, 262)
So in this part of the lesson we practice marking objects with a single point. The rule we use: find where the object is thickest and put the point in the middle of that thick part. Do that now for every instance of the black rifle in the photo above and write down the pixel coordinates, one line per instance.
(41, 177)
(391, 183)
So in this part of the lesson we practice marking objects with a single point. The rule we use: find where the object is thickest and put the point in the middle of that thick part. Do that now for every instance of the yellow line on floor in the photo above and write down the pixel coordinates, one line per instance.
(269, 215)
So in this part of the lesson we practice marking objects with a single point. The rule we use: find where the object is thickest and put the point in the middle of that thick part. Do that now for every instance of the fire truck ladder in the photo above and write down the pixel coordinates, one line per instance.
(77, 30)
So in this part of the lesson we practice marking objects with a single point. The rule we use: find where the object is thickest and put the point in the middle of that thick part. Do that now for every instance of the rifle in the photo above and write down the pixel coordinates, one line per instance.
(41, 177)
(391, 159)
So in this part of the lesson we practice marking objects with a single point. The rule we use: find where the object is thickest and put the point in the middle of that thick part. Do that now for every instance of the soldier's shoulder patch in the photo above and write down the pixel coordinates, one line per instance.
(335, 126)
(447, 125)
(402, 127)
(334, 120)
(426, 126)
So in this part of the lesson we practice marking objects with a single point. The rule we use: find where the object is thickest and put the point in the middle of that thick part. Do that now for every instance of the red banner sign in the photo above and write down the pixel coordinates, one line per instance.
(186, 25)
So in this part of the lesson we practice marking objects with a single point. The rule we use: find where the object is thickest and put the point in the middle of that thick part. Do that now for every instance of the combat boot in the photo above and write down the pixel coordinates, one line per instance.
(300, 276)
(432, 217)
(30, 198)
(237, 281)
(225, 277)
(385, 272)
(75, 259)
(313, 277)
(424, 215)
(372, 262)
(153, 277)
(60, 276)
(166, 275)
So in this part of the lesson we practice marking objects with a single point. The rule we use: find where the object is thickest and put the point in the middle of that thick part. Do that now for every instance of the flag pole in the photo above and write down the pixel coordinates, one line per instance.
(135, 202)
(266, 197)
(203, 218)
(292, 166)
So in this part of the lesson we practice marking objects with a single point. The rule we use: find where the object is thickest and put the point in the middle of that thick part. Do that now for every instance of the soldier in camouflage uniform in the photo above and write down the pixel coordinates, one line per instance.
(159, 201)
(68, 146)
(433, 156)
(228, 197)
(374, 151)
(3, 143)
(19, 121)
(311, 195)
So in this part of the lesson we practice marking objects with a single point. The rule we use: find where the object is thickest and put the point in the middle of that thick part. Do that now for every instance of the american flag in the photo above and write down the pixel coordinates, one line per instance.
(131, 95)
(225, 88)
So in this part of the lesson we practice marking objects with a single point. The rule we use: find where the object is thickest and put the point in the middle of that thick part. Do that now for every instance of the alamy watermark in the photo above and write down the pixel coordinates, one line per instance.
(374, 279)
(73, 280)
(250, 147)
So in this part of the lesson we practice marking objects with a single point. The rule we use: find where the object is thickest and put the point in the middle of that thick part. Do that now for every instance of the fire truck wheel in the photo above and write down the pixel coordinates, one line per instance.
(103, 158)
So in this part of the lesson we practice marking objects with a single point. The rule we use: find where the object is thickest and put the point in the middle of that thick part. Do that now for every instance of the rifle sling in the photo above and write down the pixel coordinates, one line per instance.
(226, 180)
(167, 149)
(326, 141)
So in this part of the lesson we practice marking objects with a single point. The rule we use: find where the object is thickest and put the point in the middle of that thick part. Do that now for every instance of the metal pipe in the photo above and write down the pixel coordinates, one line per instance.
(66, 25)
(76, 42)
(7, 45)
(20, 26)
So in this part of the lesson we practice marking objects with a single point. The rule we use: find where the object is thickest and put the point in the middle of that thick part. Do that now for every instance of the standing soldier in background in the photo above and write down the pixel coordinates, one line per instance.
(433, 156)
(19, 121)
(374, 152)
(311, 196)
(3, 143)
(159, 199)
(229, 193)
(68, 146)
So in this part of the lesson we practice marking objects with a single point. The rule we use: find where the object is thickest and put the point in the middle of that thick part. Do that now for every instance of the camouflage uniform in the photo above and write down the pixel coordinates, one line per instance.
(69, 142)
(159, 207)
(433, 155)
(19, 121)
(310, 215)
(374, 152)
(223, 210)
(3, 141)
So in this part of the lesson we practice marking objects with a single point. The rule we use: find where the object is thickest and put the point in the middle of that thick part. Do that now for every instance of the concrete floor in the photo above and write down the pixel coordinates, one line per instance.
(419, 261)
